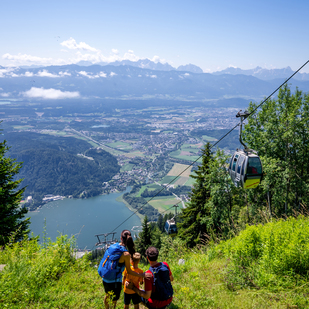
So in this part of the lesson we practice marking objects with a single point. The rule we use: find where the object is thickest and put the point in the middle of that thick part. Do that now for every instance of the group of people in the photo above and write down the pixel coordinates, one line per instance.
(157, 292)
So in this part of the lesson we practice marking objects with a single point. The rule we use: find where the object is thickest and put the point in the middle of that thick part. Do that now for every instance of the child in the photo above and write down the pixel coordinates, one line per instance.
(130, 294)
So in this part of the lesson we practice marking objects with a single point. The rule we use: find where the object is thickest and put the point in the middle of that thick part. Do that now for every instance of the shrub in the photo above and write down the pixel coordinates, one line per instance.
(31, 267)
(276, 253)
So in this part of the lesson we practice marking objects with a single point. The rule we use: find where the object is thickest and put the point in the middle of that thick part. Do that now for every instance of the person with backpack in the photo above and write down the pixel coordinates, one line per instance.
(112, 265)
(158, 291)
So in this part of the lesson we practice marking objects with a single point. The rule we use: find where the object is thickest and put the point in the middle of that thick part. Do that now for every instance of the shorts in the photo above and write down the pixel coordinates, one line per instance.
(114, 287)
(136, 299)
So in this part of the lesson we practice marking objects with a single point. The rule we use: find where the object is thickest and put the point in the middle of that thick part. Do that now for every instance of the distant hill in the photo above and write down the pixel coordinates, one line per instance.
(265, 74)
(51, 165)
(190, 68)
(147, 64)
(144, 64)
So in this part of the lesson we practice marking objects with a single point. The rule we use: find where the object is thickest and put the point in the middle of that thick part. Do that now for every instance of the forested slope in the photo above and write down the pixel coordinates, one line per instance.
(51, 165)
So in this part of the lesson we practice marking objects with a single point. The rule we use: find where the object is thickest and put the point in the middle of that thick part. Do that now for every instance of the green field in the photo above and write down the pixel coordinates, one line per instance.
(190, 146)
(25, 127)
(162, 203)
(209, 138)
(120, 145)
(167, 179)
(127, 167)
(190, 182)
(133, 154)
(192, 150)
(176, 155)
(150, 188)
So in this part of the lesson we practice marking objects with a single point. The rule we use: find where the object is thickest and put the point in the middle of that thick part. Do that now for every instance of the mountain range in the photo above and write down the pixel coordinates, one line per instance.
(143, 79)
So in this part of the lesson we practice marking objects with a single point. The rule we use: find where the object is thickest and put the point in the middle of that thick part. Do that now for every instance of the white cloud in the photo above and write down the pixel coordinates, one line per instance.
(22, 58)
(4, 94)
(45, 73)
(76, 52)
(186, 74)
(4, 72)
(62, 74)
(130, 56)
(99, 57)
(71, 44)
(112, 74)
(50, 93)
(157, 59)
(153, 76)
(79, 56)
(28, 74)
(86, 74)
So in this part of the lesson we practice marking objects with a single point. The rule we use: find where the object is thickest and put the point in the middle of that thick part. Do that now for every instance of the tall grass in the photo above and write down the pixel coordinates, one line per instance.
(263, 267)
(273, 255)
(30, 269)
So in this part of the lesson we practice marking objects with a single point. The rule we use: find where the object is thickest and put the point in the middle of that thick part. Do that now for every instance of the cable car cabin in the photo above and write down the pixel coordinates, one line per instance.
(170, 227)
(246, 169)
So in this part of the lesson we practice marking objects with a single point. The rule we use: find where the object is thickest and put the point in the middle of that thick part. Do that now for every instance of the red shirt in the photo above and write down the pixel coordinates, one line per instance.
(149, 286)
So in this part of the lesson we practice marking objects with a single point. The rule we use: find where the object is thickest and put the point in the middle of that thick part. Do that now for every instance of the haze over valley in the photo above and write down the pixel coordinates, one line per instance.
(81, 131)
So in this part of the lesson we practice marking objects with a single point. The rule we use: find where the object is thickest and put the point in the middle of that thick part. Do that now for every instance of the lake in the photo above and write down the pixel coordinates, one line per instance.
(83, 218)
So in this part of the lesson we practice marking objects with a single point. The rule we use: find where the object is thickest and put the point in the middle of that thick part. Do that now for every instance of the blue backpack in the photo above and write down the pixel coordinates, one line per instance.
(163, 288)
(108, 268)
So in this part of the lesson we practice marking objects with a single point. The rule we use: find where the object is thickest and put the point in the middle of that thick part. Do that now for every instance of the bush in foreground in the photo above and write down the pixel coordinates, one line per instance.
(272, 255)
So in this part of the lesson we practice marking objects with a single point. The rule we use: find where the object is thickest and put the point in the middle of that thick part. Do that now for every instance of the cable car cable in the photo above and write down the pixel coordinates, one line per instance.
(164, 187)
(279, 87)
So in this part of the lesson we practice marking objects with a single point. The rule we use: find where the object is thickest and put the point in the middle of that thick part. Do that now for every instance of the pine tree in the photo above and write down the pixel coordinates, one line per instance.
(194, 217)
(224, 196)
(11, 214)
(144, 238)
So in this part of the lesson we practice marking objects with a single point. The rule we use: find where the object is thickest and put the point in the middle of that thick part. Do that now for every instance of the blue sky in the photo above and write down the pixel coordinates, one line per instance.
(211, 34)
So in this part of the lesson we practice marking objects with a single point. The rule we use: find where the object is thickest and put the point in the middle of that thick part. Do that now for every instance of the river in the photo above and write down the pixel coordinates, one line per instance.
(83, 218)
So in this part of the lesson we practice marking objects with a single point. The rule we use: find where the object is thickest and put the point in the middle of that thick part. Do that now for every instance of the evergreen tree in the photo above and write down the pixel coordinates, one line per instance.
(194, 217)
(160, 223)
(224, 197)
(144, 238)
(11, 215)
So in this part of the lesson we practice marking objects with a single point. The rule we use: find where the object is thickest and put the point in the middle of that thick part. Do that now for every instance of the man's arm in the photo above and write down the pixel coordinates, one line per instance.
(142, 293)
(126, 258)
(171, 278)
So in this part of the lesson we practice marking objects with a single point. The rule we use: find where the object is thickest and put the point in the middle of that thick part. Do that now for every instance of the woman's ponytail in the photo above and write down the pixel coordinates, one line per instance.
(127, 240)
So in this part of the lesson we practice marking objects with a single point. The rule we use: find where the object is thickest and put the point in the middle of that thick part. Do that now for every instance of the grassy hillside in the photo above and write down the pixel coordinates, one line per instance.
(264, 267)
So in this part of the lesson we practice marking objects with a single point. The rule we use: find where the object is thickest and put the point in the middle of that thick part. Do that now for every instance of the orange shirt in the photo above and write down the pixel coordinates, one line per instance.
(136, 280)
